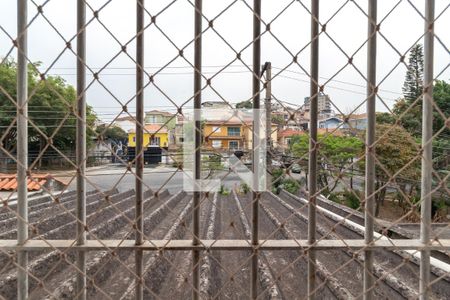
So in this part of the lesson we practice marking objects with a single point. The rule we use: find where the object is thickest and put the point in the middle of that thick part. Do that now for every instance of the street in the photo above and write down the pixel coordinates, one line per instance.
(155, 177)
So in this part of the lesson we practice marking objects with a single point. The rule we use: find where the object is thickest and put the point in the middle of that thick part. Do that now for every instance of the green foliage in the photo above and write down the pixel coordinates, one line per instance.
(214, 162)
(280, 181)
(331, 195)
(244, 188)
(114, 133)
(441, 154)
(278, 119)
(385, 118)
(410, 112)
(290, 185)
(52, 102)
(439, 210)
(441, 97)
(411, 120)
(395, 150)
(223, 190)
(412, 87)
(334, 154)
(396, 153)
(245, 104)
(277, 177)
(410, 116)
(336, 149)
(351, 199)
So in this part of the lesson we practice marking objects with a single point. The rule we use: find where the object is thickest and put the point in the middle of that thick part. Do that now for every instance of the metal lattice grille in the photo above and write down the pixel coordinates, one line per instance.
(145, 235)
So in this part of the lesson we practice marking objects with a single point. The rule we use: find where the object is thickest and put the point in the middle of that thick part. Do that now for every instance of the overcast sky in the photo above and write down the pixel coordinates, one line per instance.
(348, 28)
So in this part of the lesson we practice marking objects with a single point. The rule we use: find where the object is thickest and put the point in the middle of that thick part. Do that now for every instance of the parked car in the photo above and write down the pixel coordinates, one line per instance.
(296, 168)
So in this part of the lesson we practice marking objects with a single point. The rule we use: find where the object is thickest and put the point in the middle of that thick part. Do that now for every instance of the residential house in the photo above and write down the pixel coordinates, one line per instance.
(154, 136)
(155, 143)
(227, 134)
(125, 121)
(231, 132)
(330, 123)
(178, 135)
(355, 122)
(160, 117)
(285, 137)
(163, 118)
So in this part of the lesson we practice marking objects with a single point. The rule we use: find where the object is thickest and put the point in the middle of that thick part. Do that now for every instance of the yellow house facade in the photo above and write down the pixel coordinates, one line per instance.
(231, 135)
(154, 136)
(219, 135)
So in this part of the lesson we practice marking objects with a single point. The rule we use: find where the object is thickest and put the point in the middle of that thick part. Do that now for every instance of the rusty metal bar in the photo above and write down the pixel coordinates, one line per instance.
(268, 105)
(427, 146)
(256, 105)
(312, 160)
(81, 146)
(370, 149)
(22, 147)
(139, 145)
(156, 245)
(197, 145)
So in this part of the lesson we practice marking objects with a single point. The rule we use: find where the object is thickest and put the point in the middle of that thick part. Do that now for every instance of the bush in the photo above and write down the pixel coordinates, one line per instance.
(290, 185)
(214, 162)
(351, 199)
(439, 210)
(223, 191)
(334, 197)
(277, 178)
(244, 188)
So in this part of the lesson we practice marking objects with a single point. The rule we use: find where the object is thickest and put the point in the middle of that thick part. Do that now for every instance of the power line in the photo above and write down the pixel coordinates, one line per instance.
(210, 72)
(336, 88)
(339, 81)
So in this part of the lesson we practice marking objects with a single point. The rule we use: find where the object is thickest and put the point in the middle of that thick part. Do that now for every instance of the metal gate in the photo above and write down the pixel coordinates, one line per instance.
(86, 248)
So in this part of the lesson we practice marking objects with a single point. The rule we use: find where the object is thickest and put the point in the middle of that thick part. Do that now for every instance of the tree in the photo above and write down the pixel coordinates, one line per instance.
(441, 98)
(409, 112)
(396, 153)
(248, 104)
(385, 118)
(410, 116)
(413, 85)
(278, 119)
(411, 119)
(51, 112)
(114, 133)
(335, 153)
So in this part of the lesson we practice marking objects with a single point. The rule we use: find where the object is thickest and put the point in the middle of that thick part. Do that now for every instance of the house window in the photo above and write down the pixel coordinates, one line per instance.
(288, 141)
(233, 145)
(152, 119)
(154, 141)
(216, 129)
(134, 139)
(234, 131)
(217, 144)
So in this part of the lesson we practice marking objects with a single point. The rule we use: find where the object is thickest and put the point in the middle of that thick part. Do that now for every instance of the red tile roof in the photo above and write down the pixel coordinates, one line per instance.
(151, 128)
(289, 132)
(8, 182)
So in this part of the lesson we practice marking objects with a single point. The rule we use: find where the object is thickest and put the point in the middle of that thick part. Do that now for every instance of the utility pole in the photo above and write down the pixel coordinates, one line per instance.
(267, 68)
